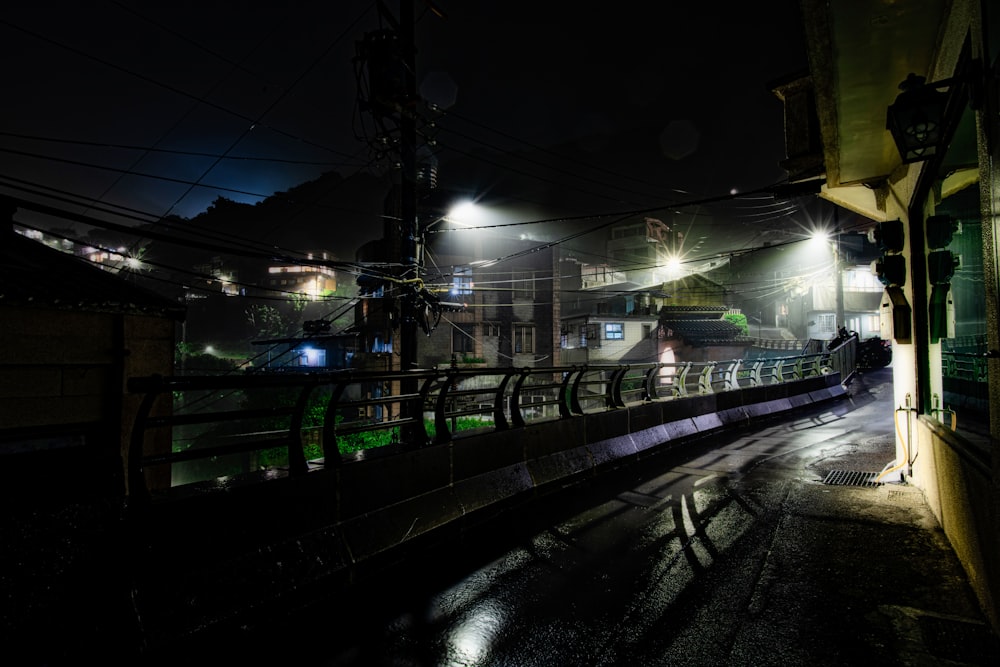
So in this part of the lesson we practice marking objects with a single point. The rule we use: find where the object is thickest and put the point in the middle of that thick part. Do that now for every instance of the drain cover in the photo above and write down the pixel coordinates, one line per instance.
(851, 478)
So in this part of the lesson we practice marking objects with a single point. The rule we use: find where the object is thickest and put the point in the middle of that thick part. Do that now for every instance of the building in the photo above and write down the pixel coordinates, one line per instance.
(677, 321)
(607, 323)
(71, 334)
(509, 310)
(898, 121)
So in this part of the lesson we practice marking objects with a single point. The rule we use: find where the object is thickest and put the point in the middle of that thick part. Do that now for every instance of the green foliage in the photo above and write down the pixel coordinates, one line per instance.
(347, 444)
(459, 424)
(473, 360)
(354, 442)
(266, 321)
(739, 320)
(204, 363)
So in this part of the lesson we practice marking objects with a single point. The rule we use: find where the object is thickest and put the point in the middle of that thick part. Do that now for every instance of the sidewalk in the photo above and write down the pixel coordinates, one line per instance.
(861, 572)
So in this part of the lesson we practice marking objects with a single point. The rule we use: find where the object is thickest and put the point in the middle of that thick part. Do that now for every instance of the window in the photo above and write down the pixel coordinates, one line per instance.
(463, 340)
(524, 285)
(614, 331)
(461, 280)
(491, 329)
(647, 331)
(826, 323)
(524, 338)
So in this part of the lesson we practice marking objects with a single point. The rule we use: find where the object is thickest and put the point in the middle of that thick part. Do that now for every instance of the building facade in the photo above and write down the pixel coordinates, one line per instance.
(898, 120)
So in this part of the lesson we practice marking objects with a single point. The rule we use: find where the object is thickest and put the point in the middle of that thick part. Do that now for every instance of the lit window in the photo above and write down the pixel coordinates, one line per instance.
(614, 331)
(461, 280)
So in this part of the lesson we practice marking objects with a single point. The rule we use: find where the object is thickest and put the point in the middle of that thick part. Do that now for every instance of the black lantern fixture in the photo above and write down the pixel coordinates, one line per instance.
(916, 119)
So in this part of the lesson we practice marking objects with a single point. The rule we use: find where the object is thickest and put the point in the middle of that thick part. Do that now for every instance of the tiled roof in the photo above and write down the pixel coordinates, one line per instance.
(32, 274)
(701, 331)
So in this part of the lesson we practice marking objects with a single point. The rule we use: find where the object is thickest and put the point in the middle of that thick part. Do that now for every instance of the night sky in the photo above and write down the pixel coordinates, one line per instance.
(565, 109)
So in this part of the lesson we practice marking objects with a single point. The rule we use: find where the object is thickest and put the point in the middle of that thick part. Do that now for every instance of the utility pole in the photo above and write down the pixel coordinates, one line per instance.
(408, 189)
(390, 55)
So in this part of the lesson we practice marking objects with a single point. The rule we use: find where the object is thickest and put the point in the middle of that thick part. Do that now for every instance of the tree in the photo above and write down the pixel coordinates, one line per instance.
(740, 320)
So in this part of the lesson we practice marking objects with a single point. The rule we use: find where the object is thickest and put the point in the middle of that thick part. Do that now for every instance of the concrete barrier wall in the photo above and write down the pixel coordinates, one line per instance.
(398, 498)
(267, 543)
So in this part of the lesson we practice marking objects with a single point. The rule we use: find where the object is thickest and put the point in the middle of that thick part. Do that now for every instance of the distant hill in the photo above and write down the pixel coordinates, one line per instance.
(331, 214)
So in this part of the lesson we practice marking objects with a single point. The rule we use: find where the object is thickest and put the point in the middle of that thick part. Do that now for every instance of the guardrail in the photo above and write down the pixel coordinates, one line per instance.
(197, 430)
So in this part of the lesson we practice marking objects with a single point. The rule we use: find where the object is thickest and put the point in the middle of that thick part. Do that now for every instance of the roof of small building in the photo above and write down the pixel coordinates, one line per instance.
(701, 331)
(34, 275)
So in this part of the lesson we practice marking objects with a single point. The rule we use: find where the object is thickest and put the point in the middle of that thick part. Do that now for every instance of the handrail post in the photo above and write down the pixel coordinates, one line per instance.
(515, 400)
(613, 397)
(680, 379)
(565, 411)
(574, 391)
(500, 422)
(441, 432)
(732, 382)
(296, 454)
(777, 374)
(138, 492)
(649, 392)
(421, 429)
(705, 378)
(330, 444)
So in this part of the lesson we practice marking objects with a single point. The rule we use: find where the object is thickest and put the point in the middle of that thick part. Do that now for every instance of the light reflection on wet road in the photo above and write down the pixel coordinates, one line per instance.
(653, 565)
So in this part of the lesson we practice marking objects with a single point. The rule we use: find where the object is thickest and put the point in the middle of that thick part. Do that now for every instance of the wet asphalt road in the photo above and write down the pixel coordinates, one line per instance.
(730, 551)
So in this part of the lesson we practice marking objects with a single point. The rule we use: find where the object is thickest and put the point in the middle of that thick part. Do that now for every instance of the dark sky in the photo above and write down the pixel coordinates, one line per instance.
(165, 106)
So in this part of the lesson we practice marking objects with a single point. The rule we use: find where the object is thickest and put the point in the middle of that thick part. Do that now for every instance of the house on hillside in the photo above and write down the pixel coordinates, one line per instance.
(612, 322)
(681, 320)
(71, 335)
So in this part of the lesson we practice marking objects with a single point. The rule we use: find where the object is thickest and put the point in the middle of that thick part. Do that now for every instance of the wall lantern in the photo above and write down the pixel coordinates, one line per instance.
(916, 118)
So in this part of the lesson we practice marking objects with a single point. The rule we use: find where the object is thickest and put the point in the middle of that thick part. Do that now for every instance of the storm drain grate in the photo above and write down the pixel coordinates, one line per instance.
(851, 478)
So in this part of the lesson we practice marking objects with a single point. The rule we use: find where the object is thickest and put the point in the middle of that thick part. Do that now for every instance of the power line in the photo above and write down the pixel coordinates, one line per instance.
(168, 151)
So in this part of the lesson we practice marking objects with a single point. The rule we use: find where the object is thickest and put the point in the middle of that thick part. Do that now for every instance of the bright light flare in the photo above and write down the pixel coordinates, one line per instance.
(675, 268)
(819, 240)
(466, 214)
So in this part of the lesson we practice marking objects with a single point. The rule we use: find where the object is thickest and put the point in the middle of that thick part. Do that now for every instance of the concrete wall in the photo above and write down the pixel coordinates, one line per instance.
(65, 414)
(958, 486)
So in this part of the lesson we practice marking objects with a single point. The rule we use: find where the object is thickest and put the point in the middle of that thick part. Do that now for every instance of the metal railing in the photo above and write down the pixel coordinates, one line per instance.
(215, 429)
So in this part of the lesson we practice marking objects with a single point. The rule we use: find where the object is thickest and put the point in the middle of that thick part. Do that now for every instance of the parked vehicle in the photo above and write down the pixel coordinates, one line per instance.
(874, 353)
